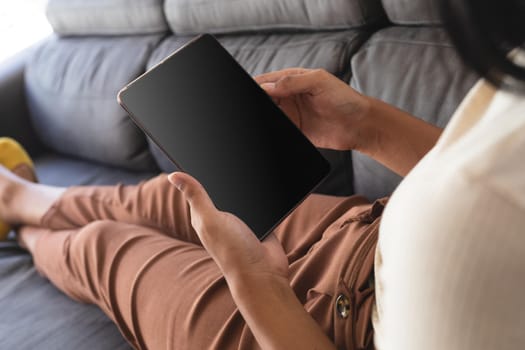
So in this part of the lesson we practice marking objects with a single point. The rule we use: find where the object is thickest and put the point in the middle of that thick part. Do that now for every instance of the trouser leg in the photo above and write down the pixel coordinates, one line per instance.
(163, 293)
(154, 203)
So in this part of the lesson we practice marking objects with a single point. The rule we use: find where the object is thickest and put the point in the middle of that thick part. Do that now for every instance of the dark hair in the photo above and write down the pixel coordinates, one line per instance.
(484, 32)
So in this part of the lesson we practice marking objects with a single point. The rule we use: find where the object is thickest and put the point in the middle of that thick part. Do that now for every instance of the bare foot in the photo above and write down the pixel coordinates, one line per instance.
(23, 202)
(11, 185)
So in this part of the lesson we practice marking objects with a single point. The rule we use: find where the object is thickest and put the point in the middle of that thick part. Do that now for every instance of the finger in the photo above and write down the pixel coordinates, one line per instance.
(198, 199)
(289, 85)
(268, 86)
(272, 77)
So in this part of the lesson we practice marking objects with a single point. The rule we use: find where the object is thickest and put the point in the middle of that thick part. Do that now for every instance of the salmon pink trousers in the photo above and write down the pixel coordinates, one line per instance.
(131, 250)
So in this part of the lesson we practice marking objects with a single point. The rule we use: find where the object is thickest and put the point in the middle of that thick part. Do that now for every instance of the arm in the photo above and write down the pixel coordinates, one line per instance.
(395, 138)
(333, 115)
(275, 316)
(256, 273)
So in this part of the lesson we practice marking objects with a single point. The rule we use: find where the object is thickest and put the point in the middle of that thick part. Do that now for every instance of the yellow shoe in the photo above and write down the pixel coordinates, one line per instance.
(15, 158)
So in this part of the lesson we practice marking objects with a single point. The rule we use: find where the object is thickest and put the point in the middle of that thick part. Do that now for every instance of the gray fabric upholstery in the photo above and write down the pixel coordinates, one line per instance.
(417, 70)
(35, 315)
(264, 53)
(57, 170)
(412, 12)
(106, 17)
(226, 16)
(72, 86)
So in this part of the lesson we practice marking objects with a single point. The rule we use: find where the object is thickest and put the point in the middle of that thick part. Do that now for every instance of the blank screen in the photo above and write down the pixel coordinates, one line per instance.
(215, 122)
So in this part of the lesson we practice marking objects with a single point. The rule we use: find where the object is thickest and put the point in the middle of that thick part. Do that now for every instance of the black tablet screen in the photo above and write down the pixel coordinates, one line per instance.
(214, 121)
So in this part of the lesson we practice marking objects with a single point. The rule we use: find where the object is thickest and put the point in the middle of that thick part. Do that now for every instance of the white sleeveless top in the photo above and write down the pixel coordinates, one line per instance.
(450, 263)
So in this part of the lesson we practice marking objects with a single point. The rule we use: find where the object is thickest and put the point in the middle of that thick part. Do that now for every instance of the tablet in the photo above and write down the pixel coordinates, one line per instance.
(216, 123)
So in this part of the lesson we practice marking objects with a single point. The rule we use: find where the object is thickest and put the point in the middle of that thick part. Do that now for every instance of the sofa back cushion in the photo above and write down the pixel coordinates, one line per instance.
(413, 12)
(106, 17)
(72, 85)
(417, 70)
(225, 16)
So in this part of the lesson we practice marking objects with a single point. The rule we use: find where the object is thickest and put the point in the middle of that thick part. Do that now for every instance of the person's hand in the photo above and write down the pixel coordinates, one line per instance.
(326, 109)
(256, 273)
(230, 242)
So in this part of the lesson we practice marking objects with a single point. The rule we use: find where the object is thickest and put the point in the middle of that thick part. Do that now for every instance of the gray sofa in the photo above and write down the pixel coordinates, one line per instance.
(59, 99)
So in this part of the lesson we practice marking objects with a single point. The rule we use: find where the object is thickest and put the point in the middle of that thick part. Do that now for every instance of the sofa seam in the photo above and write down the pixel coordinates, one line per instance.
(267, 47)
(410, 43)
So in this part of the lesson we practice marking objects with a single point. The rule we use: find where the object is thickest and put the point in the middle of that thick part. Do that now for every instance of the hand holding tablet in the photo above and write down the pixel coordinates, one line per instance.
(214, 122)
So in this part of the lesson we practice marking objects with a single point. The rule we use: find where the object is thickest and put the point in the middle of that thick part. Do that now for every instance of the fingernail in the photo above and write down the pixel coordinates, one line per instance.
(268, 86)
(176, 181)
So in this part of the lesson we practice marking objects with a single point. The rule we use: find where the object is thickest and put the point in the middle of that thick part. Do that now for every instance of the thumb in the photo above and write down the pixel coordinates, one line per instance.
(196, 196)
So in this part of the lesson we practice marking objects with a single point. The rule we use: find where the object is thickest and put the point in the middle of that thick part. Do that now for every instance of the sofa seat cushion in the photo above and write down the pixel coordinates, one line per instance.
(417, 70)
(266, 52)
(57, 170)
(71, 87)
(106, 17)
(226, 16)
(36, 315)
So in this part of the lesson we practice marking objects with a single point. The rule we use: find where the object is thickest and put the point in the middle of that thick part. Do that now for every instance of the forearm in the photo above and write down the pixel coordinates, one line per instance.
(395, 138)
(275, 316)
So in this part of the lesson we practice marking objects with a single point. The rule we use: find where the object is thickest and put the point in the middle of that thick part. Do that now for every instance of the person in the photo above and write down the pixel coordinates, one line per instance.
(172, 271)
